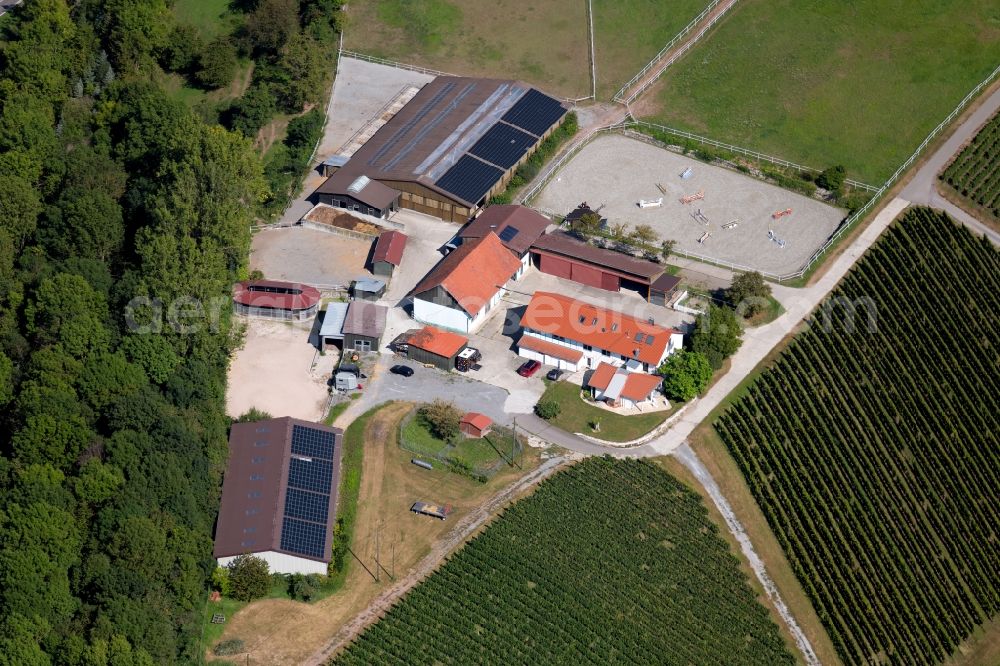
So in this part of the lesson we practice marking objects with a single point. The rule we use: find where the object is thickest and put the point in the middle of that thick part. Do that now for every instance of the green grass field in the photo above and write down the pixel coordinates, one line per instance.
(628, 33)
(829, 82)
(608, 562)
(210, 17)
(575, 415)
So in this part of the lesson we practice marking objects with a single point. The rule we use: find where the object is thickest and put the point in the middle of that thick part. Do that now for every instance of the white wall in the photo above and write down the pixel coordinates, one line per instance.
(440, 316)
(284, 563)
(545, 359)
(594, 357)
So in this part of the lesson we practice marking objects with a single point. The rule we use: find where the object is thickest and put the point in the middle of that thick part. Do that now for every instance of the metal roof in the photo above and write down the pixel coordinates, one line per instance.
(333, 320)
(370, 285)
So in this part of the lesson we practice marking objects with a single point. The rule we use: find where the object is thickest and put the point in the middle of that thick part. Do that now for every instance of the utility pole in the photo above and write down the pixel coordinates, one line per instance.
(378, 529)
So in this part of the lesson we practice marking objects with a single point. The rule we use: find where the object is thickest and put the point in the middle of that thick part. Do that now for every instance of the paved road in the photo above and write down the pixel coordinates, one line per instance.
(923, 188)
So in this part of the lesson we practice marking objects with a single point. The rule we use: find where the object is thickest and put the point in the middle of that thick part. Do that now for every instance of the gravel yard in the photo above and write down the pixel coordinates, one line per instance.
(312, 257)
(616, 172)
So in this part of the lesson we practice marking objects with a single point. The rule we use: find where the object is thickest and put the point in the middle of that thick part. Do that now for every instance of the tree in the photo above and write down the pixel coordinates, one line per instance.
(252, 111)
(587, 224)
(218, 64)
(643, 233)
(832, 179)
(717, 335)
(153, 354)
(303, 131)
(183, 48)
(547, 409)
(442, 417)
(221, 582)
(667, 248)
(249, 577)
(303, 64)
(67, 309)
(251, 415)
(685, 374)
(749, 293)
(300, 587)
(271, 24)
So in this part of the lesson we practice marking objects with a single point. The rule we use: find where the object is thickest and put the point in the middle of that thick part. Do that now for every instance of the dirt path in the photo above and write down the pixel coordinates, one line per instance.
(442, 549)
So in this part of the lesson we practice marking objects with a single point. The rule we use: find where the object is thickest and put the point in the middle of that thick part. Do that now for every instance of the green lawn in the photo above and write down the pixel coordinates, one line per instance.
(210, 17)
(211, 633)
(830, 82)
(476, 453)
(577, 416)
(628, 33)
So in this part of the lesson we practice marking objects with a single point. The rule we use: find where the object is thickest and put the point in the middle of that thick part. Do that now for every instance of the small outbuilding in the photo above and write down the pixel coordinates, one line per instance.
(388, 253)
(435, 347)
(662, 290)
(475, 424)
(358, 193)
(368, 289)
(618, 387)
(363, 326)
(275, 300)
(331, 331)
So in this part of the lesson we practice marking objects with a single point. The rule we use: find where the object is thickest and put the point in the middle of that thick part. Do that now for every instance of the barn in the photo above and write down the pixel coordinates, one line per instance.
(388, 253)
(435, 347)
(279, 494)
(364, 325)
(517, 227)
(448, 150)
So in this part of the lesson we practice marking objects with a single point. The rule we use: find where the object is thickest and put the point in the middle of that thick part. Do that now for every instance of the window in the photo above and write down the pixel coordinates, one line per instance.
(260, 443)
(256, 477)
(252, 512)
(614, 327)
(605, 352)
(588, 348)
(254, 494)
(262, 429)
(256, 460)
(557, 337)
(362, 345)
(249, 530)
(248, 543)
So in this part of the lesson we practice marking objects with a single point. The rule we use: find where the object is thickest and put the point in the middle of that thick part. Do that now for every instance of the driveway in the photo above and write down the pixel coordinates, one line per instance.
(922, 189)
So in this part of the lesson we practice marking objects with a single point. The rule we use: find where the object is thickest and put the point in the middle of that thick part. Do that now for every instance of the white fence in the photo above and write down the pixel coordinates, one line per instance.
(391, 63)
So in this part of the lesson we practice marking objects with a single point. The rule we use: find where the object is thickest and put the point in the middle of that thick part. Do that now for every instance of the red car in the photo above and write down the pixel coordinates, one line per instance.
(529, 368)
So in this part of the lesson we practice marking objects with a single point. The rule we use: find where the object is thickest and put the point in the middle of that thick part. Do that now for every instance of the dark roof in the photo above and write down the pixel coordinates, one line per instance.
(389, 247)
(359, 186)
(275, 294)
(451, 119)
(473, 273)
(525, 224)
(280, 489)
(365, 318)
(563, 244)
(666, 283)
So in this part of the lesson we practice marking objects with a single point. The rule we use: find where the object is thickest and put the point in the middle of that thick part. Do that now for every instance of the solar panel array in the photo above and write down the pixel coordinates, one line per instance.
(507, 234)
(307, 497)
(503, 145)
(470, 179)
(535, 112)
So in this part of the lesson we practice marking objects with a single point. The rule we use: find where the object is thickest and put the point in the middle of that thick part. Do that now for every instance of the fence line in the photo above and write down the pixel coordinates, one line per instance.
(744, 151)
(392, 63)
(593, 59)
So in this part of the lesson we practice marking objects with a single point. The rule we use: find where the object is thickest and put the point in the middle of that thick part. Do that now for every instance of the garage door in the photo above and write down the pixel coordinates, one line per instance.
(555, 266)
(588, 275)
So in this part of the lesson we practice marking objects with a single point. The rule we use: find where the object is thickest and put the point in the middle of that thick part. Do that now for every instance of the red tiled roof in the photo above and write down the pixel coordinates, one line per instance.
(275, 294)
(473, 273)
(389, 247)
(436, 341)
(638, 385)
(596, 326)
(478, 421)
(550, 348)
(601, 377)
(527, 226)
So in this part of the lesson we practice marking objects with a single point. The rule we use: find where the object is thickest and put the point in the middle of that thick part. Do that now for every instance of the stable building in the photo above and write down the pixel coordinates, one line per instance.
(432, 346)
(517, 227)
(617, 387)
(331, 331)
(465, 286)
(367, 289)
(573, 335)
(279, 495)
(275, 300)
(388, 253)
(454, 145)
(363, 326)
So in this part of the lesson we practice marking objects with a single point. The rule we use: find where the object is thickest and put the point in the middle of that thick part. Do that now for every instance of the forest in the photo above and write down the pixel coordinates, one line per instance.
(871, 445)
(125, 220)
(609, 561)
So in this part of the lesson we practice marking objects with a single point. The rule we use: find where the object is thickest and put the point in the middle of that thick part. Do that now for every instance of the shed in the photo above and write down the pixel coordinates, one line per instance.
(364, 325)
(368, 289)
(662, 289)
(331, 164)
(436, 347)
(359, 193)
(388, 253)
(475, 424)
(332, 329)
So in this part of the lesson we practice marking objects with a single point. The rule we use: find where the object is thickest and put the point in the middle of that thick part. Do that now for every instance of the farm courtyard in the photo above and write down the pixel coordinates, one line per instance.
(615, 172)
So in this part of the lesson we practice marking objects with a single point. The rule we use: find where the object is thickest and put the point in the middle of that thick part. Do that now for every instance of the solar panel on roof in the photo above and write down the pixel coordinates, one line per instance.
(298, 536)
(312, 442)
(535, 112)
(314, 507)
(503, 145)
(470, 179)
(315, 475)
(508, 234)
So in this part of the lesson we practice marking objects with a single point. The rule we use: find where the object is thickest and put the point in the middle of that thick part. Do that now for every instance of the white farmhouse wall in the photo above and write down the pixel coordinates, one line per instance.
(284, 563)
(441, 316)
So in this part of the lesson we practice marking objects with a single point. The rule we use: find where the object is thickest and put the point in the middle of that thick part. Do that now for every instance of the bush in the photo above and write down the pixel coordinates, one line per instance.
(301, 587)
(717, 335)
(252, 111)
(547, 409)
(249, 577)
(304, 131)
(686, 374)
(228, 647)
(220, 581)
(749, 294)
(832, 179)
(218, 64)
(443, 419)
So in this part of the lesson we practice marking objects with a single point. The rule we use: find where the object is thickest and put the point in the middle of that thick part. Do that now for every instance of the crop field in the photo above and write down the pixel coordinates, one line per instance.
(610, 561)
(871, 446)
(975, 173)
(830, 82)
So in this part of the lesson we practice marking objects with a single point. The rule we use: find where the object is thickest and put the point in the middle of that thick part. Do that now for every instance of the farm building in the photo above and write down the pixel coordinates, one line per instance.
(364, 325)
(368, 289)
(562, 255)
(465, 286)
(331, 331)
(572, 335)
(388, 253)
(433, 346)
(620, 388)
(449, 149)
(358, 193)
(276, 300)
(516, 226)
(279, 494)
(475, 424)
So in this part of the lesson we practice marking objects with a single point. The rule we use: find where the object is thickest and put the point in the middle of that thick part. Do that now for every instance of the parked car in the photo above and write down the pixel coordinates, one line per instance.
(554, 374)
(403, 370)
(528, 368)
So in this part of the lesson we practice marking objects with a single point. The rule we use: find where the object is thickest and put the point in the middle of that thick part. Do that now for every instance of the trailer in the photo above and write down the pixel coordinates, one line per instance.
(433, 510)
(650, 203)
